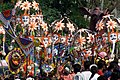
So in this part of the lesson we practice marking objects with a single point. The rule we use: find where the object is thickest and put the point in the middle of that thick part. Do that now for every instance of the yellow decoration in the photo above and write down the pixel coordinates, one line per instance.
(36, 42)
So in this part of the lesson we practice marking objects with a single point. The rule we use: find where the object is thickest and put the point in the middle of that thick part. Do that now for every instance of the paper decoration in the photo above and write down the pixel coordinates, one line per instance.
(6, 15)
(90, 38)
(45, 41)
(32, 18)
(55, 38)
(71, 27)
(100, 25)
(18, 4)
(59, 25)
(102, 54)
(32, 26)
(44, 26)
(35, 5)
(69, 39)
(15, 59)
(82, 40)
(25, 5)
(111, 24)
(26, 45)
(25, 19)
(47, 68)
(62, 39)
(112, 37)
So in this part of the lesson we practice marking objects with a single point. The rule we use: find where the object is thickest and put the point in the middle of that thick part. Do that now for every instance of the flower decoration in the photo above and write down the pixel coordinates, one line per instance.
(71, 27)
(90, 38)
(59, 26)
(26, 5)
(18, 4)
(99, 26)
(32, 26)
(82, 40)
(44, 26)
(111, 24)
(35, 5)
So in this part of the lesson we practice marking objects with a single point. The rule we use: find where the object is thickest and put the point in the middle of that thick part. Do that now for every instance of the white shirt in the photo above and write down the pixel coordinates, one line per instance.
(86, 75)
(17, 79)
(95, 76)
(29, 78)
(77, 76)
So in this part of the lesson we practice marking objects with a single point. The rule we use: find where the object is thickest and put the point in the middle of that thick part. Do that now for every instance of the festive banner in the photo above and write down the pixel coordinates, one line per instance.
(5, 17)
(26, 45)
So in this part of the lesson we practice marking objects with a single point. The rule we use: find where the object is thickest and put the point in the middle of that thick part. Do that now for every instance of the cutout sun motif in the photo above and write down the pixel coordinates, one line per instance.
(59, 26)
(71, 27)
(32, 26)
(35, 5)
(25, 5)
(99, 26)
(111, 24)
(44, 26)
(82, 40)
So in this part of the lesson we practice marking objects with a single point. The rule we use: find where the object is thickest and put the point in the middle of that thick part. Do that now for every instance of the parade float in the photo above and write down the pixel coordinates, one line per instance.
(38, 47)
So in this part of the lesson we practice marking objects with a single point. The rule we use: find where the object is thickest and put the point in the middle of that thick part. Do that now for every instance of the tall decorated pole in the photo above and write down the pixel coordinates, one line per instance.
(2, 31)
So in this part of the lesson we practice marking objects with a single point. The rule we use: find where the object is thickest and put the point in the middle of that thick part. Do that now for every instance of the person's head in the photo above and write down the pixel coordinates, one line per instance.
(96, 11)
(93, 69)
(87, 65)
(101, 64)
(115, 75)
(77, 68)
(112, 65)
(102, 78)
(66, 70)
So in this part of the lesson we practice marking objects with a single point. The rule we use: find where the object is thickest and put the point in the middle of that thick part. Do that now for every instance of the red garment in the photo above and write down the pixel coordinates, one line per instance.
(68, 77)
(100, 72)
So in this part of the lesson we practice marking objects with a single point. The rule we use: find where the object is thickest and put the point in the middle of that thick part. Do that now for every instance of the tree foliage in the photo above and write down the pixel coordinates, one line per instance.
(54, 9)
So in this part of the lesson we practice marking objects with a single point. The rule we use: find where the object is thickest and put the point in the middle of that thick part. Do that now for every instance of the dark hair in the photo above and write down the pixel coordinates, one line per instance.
(115, 75)
(93, 70)
(101, 64)
(77, 68)
(102, 78)
(87, 64)
(113, 65)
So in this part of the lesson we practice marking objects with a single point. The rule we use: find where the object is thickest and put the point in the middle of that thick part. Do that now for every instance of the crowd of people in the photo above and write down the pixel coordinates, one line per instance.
(76, 71)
